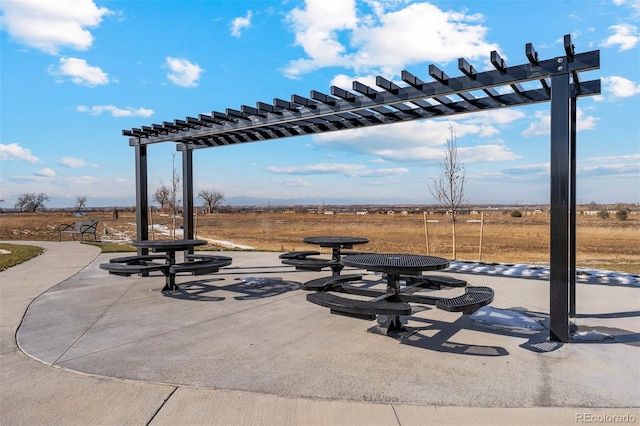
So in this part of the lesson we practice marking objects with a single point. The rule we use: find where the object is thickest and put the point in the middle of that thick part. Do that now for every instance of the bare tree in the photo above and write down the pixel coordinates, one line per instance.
(211, 198)
(30, 202)
(174, 190)
(168, 196)
(448, 188)
(81, 201)
(161, 196)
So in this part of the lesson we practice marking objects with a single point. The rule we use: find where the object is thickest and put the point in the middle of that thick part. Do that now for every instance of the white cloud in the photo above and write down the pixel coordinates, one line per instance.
(13, 151)
(419, 141)
(618, 165)
(624, 35)
(52, 25)
(619, 87)
(351, 170)
(183, 73)
(80, 72)
(529, 169)
(240, 23)
(317, 30)
(542, 124)
(73, 162)
(46, 172)
(293, 183)
(115, 111)
(334, 33)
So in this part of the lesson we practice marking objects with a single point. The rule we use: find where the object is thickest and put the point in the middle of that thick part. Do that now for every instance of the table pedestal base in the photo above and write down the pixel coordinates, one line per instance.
(392, 326)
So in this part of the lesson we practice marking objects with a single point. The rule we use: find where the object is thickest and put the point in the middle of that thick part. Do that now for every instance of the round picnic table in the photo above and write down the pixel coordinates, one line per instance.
(336, 243)
(393, 265)
(169, 247)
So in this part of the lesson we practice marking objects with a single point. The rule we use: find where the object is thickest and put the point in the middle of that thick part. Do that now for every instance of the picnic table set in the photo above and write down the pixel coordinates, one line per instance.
(398, 278)
(402, 278)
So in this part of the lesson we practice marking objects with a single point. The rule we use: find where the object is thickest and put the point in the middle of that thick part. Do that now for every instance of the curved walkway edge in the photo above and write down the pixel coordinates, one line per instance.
(34, 393)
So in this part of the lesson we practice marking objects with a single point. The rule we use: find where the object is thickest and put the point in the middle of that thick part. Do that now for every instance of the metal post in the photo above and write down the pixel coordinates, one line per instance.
(572, 213)
(187, 194)
(560, 192)
(142, 202)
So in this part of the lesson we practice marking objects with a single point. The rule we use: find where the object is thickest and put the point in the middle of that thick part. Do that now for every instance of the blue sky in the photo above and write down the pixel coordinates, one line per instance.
(75, 73)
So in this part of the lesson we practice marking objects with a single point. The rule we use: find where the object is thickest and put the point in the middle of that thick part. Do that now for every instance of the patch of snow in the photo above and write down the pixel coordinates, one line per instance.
(227, 244)
(591, 336)
(543, 272)
(505, 318)
(2, 251)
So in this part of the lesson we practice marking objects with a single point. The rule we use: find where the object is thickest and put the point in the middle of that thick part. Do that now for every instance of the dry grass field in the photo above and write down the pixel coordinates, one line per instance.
(601, 243)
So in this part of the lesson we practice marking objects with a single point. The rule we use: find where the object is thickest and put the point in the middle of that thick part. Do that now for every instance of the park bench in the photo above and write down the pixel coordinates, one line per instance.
(473, 299)
(129, 268)
(331, 283)
(137, 260)
(80, 227)
(435, 282)
(301, 261)
(364, 309)
(298, 254)
(201, 265)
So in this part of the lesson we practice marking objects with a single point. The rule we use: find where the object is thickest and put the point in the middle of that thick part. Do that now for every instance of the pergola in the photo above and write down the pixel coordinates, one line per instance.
(554, 80)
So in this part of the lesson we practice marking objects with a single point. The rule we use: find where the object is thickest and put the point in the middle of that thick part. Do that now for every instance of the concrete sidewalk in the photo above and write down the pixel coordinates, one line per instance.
(103, 349)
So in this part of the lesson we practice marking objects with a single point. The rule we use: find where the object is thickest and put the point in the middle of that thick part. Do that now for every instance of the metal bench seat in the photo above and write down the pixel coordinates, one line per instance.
(201, 267)
(298, 254)
(330, 283)
(473, 299)
(366, 309)
(126, 269)
(313, 264)
(433, 281)
(137, 260)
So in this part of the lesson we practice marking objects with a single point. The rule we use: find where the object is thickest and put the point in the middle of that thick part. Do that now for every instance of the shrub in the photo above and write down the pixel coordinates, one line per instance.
(621, 214)
(603, 214)
(516, 213)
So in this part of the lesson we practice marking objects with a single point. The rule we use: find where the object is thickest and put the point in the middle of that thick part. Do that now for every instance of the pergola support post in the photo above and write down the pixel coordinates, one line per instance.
(562, 250)
(142, 201)
(572, 211)
(187, 194)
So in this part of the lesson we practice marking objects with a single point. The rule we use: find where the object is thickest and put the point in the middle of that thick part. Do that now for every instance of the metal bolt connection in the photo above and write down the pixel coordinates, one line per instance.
(560, 60)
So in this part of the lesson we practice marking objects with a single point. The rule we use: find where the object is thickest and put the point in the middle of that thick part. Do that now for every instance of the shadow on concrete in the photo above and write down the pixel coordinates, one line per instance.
(249, 288)
(443, 339)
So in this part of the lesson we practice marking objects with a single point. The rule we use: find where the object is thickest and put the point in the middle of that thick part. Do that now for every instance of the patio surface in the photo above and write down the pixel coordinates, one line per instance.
(243, 346)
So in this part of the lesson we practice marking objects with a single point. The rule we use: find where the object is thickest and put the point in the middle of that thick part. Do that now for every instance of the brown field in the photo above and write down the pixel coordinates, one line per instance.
(604, 244)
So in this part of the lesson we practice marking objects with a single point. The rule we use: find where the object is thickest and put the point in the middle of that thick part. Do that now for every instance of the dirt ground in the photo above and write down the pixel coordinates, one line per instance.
(600, 243)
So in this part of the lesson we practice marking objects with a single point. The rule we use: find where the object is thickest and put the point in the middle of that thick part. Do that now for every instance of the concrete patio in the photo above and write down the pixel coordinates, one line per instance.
(243, 346)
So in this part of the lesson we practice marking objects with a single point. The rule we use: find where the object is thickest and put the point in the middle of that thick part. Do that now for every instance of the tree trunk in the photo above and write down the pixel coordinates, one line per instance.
(453, 233)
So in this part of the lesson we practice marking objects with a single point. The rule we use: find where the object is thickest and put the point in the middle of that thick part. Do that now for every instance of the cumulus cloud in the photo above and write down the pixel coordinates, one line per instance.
(52, 25)
(73, 162)
(619, 87)
(240, 23)
(336, 33)
(529, 169)
(182, 72)
(115, 111)
(79, 72)
(421, 141)
(350, 170)
(13, 151)
(46, 172)
(293, 183)
(542, 123)
(625, 36)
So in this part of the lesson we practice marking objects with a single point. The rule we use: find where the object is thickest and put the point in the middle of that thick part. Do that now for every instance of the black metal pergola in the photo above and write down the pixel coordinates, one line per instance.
(555, 80)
